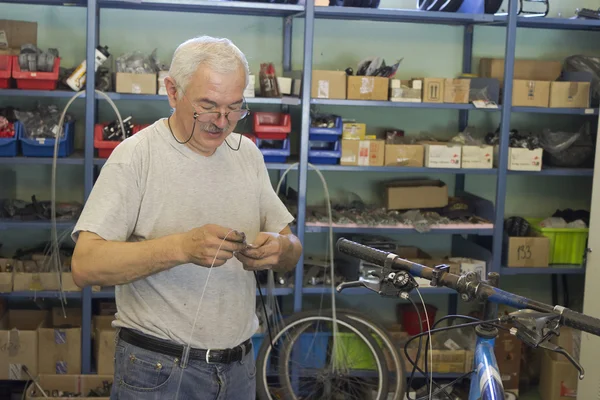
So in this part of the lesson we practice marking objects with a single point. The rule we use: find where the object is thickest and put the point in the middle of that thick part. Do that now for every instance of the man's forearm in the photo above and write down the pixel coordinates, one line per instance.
(100, 262)
(291, 254)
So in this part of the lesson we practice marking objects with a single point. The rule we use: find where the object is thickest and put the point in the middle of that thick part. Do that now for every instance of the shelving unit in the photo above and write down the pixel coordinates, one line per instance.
(308, 15)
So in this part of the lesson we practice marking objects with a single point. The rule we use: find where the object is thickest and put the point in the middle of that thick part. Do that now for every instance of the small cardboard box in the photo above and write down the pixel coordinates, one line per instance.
(68, 383)
(363, 152)
(407, 91)
(570, 94)
(69, 318)
(531, 93)
(558, 379)
(433, 90)
(508, 356)
(523, 69)
(135, 83)
(525, 159)
(471, 265)
(328, 84)
(446, 361)
(368, 88)
(285, 85)
(410, 194)
(477, 157)
(404, 155)
(104, 344)
(14, 34)
(532, 251)
(59, 349)
(19, 342)
(457, 91)
(24, 281)
(443, 155)
(354, 130)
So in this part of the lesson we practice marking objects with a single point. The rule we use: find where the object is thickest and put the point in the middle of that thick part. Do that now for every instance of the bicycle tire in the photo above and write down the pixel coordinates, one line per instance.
(304, 317)
(400, 391)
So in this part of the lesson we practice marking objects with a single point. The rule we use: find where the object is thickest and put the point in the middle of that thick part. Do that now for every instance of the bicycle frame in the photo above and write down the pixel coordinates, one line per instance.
(486, 382)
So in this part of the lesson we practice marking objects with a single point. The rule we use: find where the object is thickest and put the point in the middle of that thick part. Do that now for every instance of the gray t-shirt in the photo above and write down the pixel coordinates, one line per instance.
(152, 186)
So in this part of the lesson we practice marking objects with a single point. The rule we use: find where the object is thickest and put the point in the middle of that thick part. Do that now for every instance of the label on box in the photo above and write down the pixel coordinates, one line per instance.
(60, 337)
(323, 89)
(61, 368)
(367, 85)
(364, 148)
(135, 88)
(3, 40)
(443, 156)
(14, 371)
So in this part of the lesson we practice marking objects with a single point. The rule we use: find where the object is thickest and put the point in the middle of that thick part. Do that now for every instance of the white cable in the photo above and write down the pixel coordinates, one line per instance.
(430, 346)
(186, 352)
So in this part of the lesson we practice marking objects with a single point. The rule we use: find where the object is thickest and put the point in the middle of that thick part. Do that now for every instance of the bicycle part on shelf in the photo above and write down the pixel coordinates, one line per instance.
(424, 5)
(587, 13)
(536, 328)
(492, 6)
(527, 13)
(451, 5)
(435, 5)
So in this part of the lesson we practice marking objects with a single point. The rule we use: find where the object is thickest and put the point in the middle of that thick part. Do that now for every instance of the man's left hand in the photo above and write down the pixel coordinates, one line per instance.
(265, 253)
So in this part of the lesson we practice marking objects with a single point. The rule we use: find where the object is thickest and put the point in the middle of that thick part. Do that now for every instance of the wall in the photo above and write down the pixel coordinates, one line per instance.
(428, 50)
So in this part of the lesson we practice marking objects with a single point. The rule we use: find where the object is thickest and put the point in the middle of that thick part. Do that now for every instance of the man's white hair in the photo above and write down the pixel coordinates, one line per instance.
(218, 54)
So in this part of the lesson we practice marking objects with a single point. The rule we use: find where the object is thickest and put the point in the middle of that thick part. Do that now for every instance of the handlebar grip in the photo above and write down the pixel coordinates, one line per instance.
(362, 252)
(579, 321)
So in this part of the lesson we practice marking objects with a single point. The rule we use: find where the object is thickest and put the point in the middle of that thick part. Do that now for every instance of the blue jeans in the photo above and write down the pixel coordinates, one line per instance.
(146, 375)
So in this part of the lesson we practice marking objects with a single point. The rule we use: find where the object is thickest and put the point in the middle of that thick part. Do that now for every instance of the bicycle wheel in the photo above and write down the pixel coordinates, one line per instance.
(380, 331)
(294, 327)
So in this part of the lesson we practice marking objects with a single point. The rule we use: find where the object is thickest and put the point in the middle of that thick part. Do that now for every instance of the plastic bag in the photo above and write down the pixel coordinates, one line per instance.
(581, 63)
(567, 149)
(42, 122)
(466, 138)
(137, 62)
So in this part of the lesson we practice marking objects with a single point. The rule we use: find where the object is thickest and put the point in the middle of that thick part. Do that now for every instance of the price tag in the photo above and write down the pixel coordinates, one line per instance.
(589, 111)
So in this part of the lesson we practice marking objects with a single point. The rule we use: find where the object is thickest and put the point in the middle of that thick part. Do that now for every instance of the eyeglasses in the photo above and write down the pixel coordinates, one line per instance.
(231, 116)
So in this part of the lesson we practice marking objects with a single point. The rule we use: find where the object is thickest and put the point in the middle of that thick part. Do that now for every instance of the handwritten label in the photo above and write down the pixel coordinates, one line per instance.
(524, 252)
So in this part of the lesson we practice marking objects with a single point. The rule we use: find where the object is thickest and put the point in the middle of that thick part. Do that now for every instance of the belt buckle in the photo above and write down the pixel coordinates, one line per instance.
(208, 356)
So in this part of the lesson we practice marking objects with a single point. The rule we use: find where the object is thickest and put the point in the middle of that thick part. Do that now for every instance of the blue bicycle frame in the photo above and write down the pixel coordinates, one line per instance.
(486, 383)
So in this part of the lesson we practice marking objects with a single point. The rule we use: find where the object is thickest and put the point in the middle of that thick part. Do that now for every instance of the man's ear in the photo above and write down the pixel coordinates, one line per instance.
(172, 91)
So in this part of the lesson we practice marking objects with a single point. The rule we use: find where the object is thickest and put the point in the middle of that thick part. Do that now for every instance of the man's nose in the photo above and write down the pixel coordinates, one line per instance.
(222, 122)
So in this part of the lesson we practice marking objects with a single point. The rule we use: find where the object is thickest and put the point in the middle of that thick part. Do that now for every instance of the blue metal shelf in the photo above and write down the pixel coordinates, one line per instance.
(407, 170)
(559, 270)
(11, 224)
(40, 295)
(548, 110)
(399, 15)
(362, 291)
(549, 171)
(399, 104)
(207, 7)
(38, 93)
(75, 159)
(159, 97)
(383, 230)
(557, 23)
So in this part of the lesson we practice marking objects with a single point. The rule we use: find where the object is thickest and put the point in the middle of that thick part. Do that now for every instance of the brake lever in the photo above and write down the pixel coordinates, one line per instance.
(371, 282)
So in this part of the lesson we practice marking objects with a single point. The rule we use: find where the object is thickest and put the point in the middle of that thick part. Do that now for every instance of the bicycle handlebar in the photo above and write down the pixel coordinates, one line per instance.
(468, 286)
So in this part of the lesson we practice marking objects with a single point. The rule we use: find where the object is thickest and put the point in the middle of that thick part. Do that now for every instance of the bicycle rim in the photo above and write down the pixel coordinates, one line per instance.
(306, 318)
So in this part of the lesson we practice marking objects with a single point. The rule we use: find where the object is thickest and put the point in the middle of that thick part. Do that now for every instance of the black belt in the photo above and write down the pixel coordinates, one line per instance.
(221, 356)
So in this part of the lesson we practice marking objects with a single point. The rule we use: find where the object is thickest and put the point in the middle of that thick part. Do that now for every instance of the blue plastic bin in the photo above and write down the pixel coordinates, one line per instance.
(9, 147)
(311, 348)
(45, 147)
(279, 155)
(324, 152)
(327, 134)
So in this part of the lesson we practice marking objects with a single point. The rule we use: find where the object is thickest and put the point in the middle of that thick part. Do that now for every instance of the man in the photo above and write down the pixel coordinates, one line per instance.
(179, 197)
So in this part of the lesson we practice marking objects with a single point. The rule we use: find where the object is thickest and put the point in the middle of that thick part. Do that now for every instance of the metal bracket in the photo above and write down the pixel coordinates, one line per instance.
(437, 273)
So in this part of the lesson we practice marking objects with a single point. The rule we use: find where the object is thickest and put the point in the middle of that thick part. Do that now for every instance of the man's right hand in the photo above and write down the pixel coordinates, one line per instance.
(201, 245)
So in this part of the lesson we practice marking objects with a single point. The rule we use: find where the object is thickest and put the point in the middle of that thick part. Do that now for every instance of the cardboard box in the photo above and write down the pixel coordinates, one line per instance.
(69, 383)
(415, 194)
(409, 252)
(404, 155)
(470, 265)
(446, 361)
(354, 130)
(104, 344)
(508, 357)
(328, 84)
(457, 91)
(533, 251)
(24, 281)
(59, 351)
(558, 379)
(69, 318)
(477, 157)
(368, 88)
(433, 90)
(363, 152)
(14, 34)
(525, 159)
(570, 94)
(523, 69)
(250, 90)
(6, 277)
(443, 155)
(285, 85)
(407, 91)
(135, 83)
(531, 93)
(19, 342)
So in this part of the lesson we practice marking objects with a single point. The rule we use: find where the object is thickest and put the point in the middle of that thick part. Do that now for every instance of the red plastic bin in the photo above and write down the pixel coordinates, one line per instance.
(5, 71)
(35, 80)
(410, 320)
(272, 125)
(106, 147)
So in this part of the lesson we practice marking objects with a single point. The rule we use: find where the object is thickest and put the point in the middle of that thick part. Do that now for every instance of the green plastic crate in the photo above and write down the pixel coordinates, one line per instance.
(567, 246)
(353, 353)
